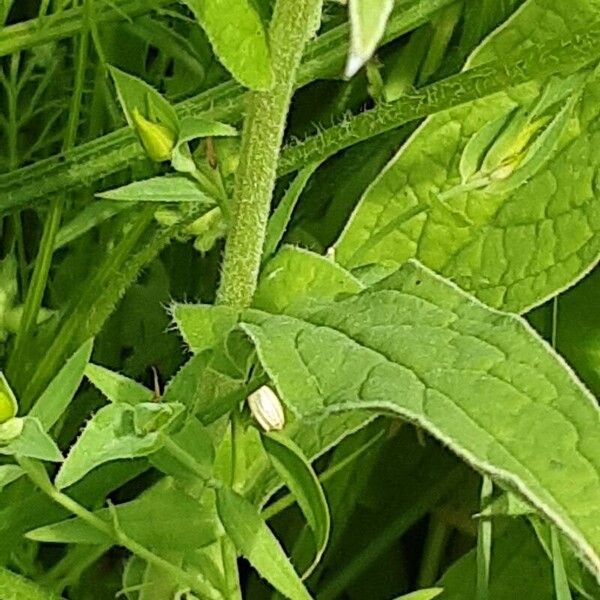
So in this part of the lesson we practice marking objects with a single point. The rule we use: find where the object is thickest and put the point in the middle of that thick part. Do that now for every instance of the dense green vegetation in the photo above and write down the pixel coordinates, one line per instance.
(299, 299)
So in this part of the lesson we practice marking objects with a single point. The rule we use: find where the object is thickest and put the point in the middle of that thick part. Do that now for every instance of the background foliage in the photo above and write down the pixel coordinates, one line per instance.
(419, 291)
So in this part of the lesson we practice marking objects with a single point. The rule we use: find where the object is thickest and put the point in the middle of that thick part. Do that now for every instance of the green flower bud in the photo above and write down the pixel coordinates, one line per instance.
(8, 402)
(157, 139)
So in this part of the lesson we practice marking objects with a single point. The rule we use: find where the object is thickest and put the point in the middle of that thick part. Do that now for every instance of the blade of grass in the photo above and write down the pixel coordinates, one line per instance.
(37, 287)
(64, 24)
(484, 543)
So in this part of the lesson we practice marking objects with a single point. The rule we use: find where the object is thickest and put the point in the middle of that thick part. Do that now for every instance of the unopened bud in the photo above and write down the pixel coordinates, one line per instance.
(267, 409)
(8, 402)
(11, 429)
(157, 139)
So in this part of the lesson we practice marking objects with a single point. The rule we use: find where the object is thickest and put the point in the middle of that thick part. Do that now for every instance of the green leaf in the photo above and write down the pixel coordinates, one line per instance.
(298, 475)
(117, 387)
(294, 278)
(506, 505)
(9, 473)
(427, 594)
(191, 129)
(8, 402)
(117, 431)
(26, 437)
(167, 188)
(238, 38)
(56, 398)
(203, 326)
(513, 236)
(281, 216)
(162, 518)
(519, 569)
(580, 578)
(255, 542)
(15, 587)
(368, 19)
(194, 439)
(479, 380)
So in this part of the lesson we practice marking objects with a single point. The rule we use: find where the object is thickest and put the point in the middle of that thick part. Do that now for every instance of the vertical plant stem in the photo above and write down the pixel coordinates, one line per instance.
(433, 553)
(484, 543)
(37, 287)
(292, 23)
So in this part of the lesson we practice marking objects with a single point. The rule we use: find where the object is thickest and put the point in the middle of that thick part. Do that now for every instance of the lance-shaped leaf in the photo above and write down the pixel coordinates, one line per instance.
(15, 587)
(25, 436)
(117, 387)
(479, 380)
(55, 399)
(168, 188)
(117, 431)
(297, 473)
(238, 38)
(255, 542)
(514, 234)
(9, 473)
(163, 518)
(427, 594)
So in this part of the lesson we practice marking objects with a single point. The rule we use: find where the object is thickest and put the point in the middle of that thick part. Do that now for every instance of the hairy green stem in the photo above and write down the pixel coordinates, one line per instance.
(291, 25)
(484, 80)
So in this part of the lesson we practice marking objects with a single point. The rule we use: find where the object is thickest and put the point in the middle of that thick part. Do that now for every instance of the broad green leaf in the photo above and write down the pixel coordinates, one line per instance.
(167, 188)
(117, 387)
(427, 594)
(295, 277)
(255, 542)
(282, 214)
(25, 436)
(8, 402)
(15, 587)
(9, 473)
(162, 518)
(512, 236)
(203, 326)
(56, 398)
(367, 20)
(238, 38)
(295, 470)
(117, 431)
(479, 380)
(519, 569)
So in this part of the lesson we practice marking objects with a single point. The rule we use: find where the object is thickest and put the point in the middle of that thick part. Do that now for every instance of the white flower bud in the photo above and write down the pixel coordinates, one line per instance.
(266, 408)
